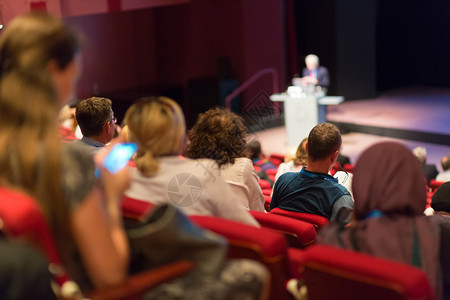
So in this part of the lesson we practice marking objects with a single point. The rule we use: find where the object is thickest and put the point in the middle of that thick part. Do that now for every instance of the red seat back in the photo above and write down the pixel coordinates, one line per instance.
(265, 246)
(299, 234)
(316, 220)
(23, 218)
(434, 184)
(135, 209)
(332, 273)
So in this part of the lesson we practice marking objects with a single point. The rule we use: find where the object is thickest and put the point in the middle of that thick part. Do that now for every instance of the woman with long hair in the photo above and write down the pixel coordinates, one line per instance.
(39, 66)
(162, 175)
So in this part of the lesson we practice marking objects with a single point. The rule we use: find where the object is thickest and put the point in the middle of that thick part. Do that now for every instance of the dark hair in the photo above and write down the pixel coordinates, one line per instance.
(323, 140)
(218, 134)
(254, 148)
(92, 114)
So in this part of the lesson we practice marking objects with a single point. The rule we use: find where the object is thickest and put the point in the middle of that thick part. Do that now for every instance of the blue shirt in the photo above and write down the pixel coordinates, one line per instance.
(314, 193)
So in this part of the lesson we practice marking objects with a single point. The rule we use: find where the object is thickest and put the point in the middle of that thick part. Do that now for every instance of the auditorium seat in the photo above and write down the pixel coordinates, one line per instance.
(332, 273)
(22, 219)
(276, 158)
(135, 209)
(316, 220)
(299, 234)
(260, 244)
(267, 199)
(264, 184)
(434, 185)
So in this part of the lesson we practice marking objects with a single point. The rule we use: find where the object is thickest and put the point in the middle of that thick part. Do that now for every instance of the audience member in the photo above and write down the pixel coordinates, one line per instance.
(257, 156)
(157, 126)
(428, 170)
(97, 123)
(313, 190)
(445, 175)
(39, 62)
(67, 124)
(39, 66)
(220, 134)
(297, 162)
(389, 219)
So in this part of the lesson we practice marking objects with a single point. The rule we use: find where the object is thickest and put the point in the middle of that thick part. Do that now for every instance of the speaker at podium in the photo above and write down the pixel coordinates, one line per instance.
(303, 111)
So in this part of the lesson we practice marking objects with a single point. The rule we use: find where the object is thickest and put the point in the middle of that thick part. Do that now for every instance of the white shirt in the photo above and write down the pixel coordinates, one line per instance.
(443, 176)
(242, 178)
(194, 186)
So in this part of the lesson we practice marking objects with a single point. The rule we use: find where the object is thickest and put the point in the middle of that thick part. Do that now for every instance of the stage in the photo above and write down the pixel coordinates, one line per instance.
(413, 116)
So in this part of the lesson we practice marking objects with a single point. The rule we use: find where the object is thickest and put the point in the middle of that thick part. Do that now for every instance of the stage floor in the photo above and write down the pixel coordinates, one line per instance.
(415, 117)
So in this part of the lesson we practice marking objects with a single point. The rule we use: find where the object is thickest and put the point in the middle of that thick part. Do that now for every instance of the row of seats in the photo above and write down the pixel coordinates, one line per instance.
(283, 244)
(286, 245)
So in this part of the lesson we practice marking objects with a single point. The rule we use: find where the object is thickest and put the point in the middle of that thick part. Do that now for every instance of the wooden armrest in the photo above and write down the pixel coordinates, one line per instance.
(136, 285)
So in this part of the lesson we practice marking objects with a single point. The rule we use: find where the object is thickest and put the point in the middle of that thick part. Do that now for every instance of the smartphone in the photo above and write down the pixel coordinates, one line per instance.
(119, 156)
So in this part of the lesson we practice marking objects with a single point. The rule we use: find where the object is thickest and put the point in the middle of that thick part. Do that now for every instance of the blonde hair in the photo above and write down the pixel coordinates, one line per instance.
(157, 126)
(301, 155)
(30, 149)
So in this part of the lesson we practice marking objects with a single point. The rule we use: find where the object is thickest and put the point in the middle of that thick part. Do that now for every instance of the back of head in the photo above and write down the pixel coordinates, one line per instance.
(218, 134)
(92, 114)
(301, 155)
(157, 126)
(421, 154)
(323, 140)
(445, 163)
(30, 155)
(388, 178)
(254, 148)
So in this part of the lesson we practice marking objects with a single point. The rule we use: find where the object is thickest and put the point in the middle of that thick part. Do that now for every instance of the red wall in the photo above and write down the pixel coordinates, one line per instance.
(167, 46)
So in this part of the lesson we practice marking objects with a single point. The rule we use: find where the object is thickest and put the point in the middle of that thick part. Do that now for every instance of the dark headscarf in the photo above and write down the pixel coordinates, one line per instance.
(390, 196)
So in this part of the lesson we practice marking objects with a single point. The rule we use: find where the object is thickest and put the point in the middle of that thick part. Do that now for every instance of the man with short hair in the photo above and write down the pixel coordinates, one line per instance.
(97, 122)
(313, 190)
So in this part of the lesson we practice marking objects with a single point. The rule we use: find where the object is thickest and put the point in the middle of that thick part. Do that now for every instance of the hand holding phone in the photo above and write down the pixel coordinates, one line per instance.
(118, 157)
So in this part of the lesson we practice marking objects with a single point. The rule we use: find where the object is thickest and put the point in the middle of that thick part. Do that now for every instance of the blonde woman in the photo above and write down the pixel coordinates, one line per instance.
(157, 126)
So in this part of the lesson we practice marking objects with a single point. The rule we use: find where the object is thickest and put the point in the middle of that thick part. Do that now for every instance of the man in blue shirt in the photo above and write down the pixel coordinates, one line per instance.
(313, 190)
(97, 123)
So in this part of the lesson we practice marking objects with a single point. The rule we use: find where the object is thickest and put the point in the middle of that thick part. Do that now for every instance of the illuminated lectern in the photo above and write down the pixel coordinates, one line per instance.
(303, 111)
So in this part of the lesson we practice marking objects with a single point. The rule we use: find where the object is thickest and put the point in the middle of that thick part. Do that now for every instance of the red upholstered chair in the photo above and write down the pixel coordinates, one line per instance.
(276, 158)
(332, 273)
(267, 192)
(135, 209)
(265, 246)
(434, 184)
(316, 220)
(22, 219)
(264, 184)
(349, 168)
(299, 234)
(267, 199)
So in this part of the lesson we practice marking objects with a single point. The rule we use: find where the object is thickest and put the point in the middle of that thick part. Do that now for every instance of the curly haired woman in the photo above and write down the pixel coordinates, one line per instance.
(220, 134)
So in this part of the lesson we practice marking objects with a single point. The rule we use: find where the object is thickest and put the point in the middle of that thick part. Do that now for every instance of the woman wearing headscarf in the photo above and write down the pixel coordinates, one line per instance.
(390, 197)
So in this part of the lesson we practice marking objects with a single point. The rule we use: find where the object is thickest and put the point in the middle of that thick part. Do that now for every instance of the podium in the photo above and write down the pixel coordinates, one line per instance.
(302, 112)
